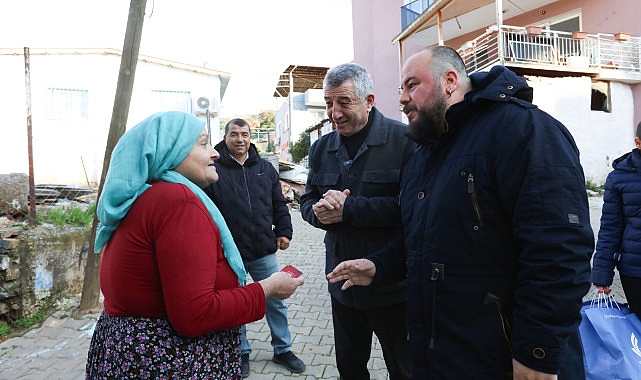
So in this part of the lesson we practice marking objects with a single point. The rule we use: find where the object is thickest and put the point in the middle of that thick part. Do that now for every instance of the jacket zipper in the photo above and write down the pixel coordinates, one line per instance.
(438, 273)
(505, 324)
(471, 190)
(249, 200)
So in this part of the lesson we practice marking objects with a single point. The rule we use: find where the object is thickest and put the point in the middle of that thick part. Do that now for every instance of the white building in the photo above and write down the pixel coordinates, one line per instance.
(303, 105)
(72, 95)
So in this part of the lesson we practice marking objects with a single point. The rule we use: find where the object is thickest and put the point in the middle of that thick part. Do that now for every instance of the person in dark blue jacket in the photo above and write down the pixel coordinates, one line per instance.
(249, 195)
(619, 241)
(496, 235)
(352, 193)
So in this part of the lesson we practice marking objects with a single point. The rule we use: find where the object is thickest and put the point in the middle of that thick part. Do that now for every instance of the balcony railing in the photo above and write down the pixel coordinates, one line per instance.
(552, 50)
(411, 11)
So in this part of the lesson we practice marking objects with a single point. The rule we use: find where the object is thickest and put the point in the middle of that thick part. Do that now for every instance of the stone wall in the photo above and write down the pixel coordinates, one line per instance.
(38, 266)
(13, 194)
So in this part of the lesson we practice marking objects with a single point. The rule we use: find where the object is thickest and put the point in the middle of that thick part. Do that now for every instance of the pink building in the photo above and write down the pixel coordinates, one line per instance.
(583, 58)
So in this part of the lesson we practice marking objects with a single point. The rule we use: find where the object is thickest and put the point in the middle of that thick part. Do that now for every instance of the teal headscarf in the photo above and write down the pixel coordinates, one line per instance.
(146, 153)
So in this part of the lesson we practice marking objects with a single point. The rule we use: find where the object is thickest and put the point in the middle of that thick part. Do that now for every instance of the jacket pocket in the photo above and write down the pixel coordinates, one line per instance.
(382, 175)
(381, 182)
(325, 180)
(471, 192)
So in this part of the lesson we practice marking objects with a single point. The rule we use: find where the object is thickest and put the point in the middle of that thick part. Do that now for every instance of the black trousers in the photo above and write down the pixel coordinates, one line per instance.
(632, 290)
(353, 330)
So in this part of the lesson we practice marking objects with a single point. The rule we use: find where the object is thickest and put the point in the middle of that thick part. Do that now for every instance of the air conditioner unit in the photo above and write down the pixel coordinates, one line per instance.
(204, 103)
(314, 98)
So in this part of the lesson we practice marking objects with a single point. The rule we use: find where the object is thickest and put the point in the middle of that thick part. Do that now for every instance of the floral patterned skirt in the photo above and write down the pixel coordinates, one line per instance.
(149, 348)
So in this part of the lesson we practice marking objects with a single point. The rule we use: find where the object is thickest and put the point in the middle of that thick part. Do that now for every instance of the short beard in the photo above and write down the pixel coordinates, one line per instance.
(429, 124)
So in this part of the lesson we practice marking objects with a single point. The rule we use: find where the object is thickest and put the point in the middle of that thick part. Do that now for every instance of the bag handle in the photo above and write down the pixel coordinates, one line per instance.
(600, 299)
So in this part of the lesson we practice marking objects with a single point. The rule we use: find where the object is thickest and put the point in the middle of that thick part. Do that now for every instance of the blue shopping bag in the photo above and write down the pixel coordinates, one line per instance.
(610, 335)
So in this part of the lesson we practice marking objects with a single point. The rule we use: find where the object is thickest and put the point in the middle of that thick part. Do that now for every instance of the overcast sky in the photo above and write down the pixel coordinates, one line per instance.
(254, 40)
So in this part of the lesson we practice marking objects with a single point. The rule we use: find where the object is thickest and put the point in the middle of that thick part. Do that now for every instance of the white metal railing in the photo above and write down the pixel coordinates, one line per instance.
(555, 50)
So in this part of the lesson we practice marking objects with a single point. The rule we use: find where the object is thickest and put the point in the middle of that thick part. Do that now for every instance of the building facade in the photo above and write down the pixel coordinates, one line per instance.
(581, 57)
(301, 105)
(71, 98)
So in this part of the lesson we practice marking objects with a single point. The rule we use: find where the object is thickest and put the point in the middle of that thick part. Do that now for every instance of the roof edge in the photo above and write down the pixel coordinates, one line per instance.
(116, 52)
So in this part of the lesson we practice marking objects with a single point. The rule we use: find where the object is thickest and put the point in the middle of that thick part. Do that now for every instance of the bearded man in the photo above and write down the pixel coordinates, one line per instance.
(496, 229)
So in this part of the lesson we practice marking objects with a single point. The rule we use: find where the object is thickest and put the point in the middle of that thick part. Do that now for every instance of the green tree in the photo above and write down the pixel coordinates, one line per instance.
(266, 118)
(268, 126)
(300, 148)
(270, 146)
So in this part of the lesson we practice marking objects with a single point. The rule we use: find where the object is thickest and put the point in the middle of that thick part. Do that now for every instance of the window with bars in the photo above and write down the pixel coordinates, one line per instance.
(167, 100)
(66, 103)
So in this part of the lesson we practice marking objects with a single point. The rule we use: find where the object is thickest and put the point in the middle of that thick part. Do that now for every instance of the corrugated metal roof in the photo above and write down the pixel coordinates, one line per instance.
(303, 78)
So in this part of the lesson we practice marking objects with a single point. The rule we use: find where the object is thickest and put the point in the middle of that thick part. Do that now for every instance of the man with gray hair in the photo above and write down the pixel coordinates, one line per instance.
(352, 193)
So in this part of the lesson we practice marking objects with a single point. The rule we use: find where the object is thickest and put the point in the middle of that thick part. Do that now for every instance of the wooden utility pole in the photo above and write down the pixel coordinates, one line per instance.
(91, 285)
(32, 186)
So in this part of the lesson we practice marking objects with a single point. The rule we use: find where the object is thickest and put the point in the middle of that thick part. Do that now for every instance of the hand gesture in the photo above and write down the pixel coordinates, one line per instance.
(281, 285)
(329, 209)
(356, 272)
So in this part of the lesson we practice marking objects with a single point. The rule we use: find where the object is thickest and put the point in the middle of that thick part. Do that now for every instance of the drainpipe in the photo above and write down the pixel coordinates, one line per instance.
(499, 23)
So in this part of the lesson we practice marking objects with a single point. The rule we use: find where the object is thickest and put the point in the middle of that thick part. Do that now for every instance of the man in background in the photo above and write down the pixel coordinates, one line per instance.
(249, 196)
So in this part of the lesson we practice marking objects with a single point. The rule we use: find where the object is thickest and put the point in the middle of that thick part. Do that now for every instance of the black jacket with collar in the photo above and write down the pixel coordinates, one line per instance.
(497, 204)
(250, 198)
(371, 215)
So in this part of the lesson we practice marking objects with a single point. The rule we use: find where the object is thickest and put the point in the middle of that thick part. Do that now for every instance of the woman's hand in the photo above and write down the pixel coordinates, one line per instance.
(281, 285)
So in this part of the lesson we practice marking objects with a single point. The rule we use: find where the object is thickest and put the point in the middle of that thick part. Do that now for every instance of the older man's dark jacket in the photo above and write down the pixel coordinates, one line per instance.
(371, 215)
(497, 240)
(250, 198)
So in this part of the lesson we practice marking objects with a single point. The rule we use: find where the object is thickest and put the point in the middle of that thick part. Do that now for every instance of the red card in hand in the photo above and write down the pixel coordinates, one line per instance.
(292, 271)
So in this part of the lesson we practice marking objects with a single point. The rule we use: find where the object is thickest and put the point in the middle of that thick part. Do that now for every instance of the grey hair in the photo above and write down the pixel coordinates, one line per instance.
(445, 58)
(353, 72)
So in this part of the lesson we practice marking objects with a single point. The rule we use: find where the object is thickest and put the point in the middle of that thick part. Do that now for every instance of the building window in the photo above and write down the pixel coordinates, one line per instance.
(567, 25)
(164, 100)
(317, 116)
(65, 103)
(600, 98)
(565, 22)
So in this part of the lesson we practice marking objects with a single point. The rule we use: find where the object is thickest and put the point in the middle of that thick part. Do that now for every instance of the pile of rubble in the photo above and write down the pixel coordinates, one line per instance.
(292, 181)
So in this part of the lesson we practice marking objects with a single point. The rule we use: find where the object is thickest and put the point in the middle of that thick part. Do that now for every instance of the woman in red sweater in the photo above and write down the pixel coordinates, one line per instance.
(170, 273)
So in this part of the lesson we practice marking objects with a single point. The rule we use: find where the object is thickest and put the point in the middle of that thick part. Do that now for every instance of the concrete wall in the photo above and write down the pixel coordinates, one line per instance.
(600, 136)
(375, 25)
(38, 266)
